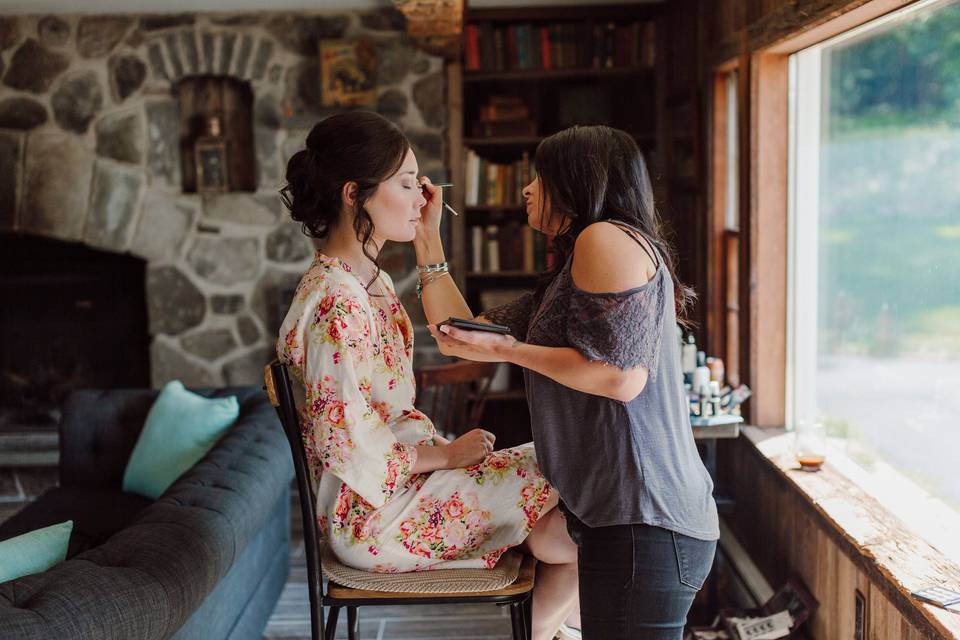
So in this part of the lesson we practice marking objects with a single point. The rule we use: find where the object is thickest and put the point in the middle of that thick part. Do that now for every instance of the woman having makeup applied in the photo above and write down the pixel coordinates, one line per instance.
(392, 494)
(603, 381)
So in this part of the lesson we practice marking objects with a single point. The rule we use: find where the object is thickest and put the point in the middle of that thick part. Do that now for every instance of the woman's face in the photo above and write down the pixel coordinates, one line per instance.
(539, 215)
(395, 205)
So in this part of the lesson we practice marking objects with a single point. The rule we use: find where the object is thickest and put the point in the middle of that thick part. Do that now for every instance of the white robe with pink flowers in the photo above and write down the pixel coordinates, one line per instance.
(351, 359)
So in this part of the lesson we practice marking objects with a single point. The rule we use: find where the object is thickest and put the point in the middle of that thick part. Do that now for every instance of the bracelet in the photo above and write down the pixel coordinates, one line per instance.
(433, 268)
(433, 277)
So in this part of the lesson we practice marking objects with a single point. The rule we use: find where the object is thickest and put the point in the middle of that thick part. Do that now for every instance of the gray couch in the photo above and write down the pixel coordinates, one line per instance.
(208, 559)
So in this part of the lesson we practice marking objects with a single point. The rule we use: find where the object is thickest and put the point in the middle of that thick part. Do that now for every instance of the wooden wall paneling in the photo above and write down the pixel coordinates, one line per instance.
(787, 532)
(766, 236)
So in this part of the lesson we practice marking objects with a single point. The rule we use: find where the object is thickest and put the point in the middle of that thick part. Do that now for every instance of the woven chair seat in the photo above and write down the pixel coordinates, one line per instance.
(445, 581)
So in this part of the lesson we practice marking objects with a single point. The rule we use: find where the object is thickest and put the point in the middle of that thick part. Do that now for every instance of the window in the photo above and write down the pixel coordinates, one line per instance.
(724, 304)
(874, 265)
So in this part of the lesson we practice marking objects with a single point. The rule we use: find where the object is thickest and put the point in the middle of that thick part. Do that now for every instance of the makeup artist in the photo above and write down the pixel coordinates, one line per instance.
(603, 382)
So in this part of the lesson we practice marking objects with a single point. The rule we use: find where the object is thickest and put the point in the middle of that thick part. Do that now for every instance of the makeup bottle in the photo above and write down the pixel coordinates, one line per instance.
(701, 374)
(688, 359)
(714, 398)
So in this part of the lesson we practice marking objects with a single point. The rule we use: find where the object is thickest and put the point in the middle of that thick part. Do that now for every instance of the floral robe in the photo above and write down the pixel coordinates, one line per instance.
(352, 362)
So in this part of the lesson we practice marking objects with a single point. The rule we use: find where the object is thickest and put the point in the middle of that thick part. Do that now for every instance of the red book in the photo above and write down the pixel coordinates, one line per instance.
(473, 47)
(545, 47)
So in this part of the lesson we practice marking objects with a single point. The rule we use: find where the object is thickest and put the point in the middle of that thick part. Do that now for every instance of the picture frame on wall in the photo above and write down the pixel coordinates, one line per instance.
(348, 71)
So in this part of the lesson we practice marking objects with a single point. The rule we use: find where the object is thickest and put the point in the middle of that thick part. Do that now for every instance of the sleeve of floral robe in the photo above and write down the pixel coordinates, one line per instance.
(348, 436)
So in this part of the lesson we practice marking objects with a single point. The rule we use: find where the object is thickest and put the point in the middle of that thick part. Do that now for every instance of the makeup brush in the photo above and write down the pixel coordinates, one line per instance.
(444, 184)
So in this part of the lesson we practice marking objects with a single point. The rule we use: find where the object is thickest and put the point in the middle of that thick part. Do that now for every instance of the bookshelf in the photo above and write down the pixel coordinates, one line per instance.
(524, 74)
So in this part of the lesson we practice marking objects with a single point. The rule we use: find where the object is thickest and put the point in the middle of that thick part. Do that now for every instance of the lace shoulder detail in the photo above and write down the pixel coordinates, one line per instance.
(515, 315)
(624, 329)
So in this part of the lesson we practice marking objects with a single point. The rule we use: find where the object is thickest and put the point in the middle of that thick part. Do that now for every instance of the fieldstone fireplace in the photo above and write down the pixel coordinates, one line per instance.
(89, 155)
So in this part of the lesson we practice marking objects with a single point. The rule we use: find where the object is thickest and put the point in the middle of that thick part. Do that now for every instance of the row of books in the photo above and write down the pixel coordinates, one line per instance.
(512, 246)
(496, 184)
(559, 46)
(504, 115)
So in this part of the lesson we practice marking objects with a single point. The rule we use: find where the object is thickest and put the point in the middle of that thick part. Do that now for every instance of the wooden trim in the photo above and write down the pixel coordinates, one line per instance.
(561, 13)
(744, 114)
(766, 238)
(715, 299)
(458, 265)
(827, 25)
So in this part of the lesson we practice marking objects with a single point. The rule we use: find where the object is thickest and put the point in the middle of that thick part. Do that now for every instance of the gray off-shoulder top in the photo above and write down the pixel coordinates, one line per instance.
(615, 462)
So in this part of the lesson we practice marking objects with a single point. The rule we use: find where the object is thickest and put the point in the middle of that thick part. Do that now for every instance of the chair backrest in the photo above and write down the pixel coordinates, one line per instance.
(453, 394)
(278, 387)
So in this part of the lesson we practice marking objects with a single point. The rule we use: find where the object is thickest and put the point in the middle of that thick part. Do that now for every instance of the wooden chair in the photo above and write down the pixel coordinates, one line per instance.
(453, 394)
(516, 595)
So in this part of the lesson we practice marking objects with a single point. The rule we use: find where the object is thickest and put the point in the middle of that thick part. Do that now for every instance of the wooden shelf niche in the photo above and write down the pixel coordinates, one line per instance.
(217, 109)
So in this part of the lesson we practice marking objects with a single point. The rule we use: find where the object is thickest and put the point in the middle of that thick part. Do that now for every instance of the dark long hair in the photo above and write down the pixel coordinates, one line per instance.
(596, 173)
(355, 146)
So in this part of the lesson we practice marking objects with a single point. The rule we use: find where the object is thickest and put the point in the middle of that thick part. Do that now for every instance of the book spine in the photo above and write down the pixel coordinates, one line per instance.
(608, 45)
(493, 249)
(487, 58)
(473, 47)
(522, 57)
(513, 60)
(472, 170)
(556, 53)
(499, 50)
(476, 249)
(482, 182)
(596, 60)
(536, 47)
(491, 184)
(545, 49)
(528, 251)
(649, 48)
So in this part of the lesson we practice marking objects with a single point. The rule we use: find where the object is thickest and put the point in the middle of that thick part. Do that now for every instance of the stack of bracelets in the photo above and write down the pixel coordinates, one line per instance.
(428, 273)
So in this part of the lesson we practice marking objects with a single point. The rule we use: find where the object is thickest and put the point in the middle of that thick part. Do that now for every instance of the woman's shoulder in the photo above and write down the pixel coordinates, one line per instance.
(609, 258)
(326, 281)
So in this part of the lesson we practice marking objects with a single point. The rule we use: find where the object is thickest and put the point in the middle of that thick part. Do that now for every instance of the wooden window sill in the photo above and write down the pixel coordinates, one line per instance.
(877, 540)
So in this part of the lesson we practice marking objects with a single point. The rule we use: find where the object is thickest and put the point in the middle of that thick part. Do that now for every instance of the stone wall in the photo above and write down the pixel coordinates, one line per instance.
(89, 153)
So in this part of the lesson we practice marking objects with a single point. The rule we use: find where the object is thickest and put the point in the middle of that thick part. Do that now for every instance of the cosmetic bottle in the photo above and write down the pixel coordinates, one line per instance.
(688, 359)
(714, 398)
(701, 374)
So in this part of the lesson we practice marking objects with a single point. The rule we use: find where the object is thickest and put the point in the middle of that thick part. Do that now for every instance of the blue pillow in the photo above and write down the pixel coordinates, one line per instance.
(34, 552)
(180, 429)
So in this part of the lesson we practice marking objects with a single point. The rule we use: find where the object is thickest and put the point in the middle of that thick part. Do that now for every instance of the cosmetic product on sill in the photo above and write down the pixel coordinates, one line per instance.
(714, 398)
(810, 443)
(716, 369)
(701, 374)
(688, 358)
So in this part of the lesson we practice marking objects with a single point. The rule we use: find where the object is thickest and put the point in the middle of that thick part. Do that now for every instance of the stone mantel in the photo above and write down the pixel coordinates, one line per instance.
(89, 153)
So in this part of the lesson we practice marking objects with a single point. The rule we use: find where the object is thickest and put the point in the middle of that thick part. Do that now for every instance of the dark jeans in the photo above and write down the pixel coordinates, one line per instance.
(637, 582)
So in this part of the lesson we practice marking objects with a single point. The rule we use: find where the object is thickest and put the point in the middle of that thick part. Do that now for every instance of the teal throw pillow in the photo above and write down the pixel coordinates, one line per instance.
(181, 428)
(34, 552)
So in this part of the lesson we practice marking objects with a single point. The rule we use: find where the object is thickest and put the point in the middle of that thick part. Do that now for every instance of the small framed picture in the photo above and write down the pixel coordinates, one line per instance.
(211, 162)
(348, 72)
